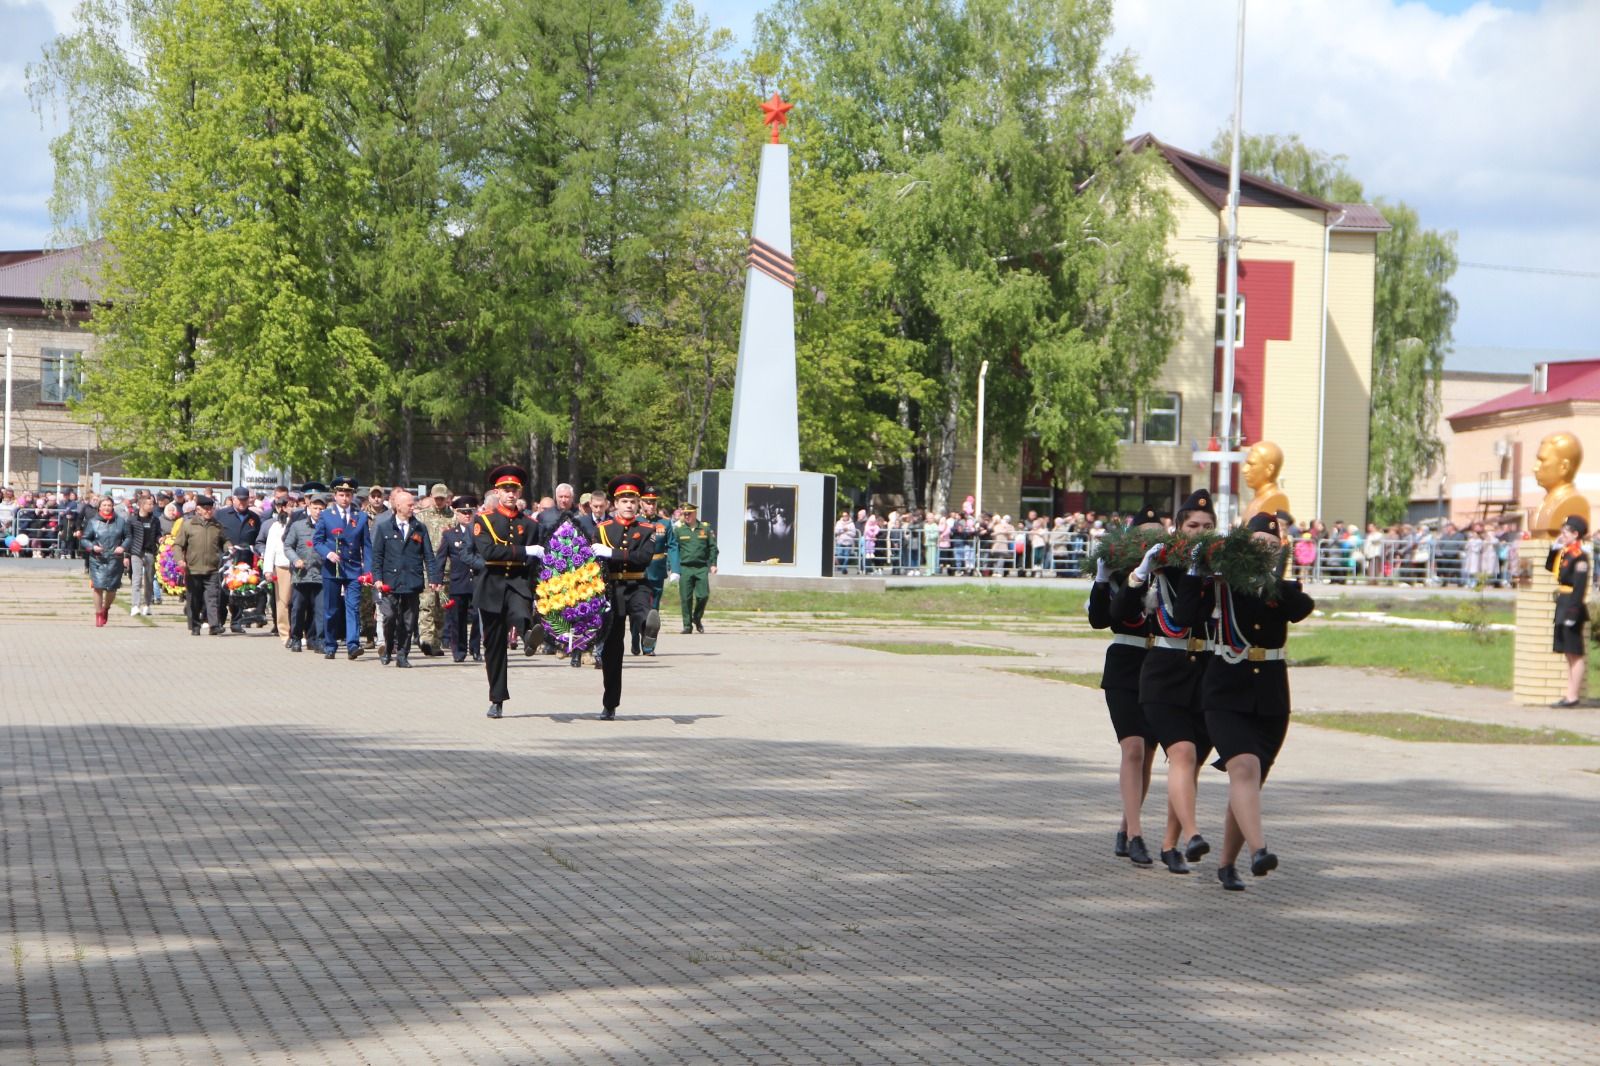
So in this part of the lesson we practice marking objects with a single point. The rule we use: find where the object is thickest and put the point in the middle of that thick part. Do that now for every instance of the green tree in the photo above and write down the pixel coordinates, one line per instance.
(219, 180)
(986, 138)
(1413, 314)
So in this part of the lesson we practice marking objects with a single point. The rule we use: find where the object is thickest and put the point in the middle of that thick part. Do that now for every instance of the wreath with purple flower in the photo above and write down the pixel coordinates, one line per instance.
(571, 591)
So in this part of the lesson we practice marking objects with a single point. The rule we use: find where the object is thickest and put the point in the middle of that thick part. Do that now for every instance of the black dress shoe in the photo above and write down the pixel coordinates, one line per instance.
(494, 711)
(477, 657)
(1230, 878)
(1196, 848)
(576, 661)
(1565, 703)
(528, 650)
(1174, 861)
(427, 649)
(433, 651)
(354, 653)
(402, 663)
(1138, 854)
(237, 627)
(636, 648)
(459, 658)
(608, 714)
(685, 629)
(383, 657)
(1120, 849)
(1263, 863)
(194, 631)
(698, 628)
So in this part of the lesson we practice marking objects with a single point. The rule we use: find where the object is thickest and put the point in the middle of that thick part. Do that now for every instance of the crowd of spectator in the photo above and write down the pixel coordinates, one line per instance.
(978, 543)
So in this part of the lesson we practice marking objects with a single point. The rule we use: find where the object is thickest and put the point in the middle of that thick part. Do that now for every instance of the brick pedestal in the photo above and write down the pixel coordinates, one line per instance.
(1539, 675)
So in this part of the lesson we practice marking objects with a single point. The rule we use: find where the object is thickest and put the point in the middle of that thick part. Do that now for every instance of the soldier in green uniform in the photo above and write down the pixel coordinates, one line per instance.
(655, 575)
(435, 518)
(692, 554)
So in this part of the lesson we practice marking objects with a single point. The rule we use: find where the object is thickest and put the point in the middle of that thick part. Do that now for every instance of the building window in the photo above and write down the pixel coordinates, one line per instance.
(1127, 493)
(60, 375)
(56, 474)
(1237, 426)
(1238, 319)
(1124, 417)
(1162, 416)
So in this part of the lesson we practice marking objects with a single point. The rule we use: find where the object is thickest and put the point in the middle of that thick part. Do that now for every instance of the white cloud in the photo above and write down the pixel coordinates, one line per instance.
(1479, 119)
(24, 213)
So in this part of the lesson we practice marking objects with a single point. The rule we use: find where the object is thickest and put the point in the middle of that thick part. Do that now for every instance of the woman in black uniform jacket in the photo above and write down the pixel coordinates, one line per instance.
(1571, 568)
(1120, 682)
(1169, 680)
(1246, 699)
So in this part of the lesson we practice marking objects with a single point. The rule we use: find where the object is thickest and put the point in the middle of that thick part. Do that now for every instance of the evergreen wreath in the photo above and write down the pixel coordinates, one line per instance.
(1244, 563)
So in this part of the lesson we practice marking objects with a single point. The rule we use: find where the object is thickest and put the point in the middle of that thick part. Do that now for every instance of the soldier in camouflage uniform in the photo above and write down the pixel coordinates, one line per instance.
(432, 624)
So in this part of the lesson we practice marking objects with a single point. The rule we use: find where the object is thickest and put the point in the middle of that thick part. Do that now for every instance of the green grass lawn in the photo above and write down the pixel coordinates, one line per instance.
(1425, 728)
(1070, 677)
(912, 647)
(908, 604)
(1459, 658)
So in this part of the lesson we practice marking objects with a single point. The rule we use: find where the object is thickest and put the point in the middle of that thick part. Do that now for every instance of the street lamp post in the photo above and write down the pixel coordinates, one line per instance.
(977, 494)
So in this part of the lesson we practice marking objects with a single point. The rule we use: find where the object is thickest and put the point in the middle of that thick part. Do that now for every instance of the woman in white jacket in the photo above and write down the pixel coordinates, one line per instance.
(275, 568)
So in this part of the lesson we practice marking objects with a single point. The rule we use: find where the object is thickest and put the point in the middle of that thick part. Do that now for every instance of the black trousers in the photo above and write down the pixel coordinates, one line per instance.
(303, 603)
(461, 625)
(495, 626)
(400, 622)
(203, 600)
(630, 602)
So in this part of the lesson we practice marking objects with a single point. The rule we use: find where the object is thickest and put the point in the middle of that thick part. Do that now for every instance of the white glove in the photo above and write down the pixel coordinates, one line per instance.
(1194, 560)
(535, 551)
(602, 550)
(672, 577)
(1102, 572)
(1142, 571)
(1570, 622)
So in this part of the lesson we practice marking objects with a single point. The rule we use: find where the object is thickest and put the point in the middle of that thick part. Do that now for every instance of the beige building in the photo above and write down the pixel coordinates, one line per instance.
(1303, 357)
(1460, 484)
(1494, 442)
(42, 309)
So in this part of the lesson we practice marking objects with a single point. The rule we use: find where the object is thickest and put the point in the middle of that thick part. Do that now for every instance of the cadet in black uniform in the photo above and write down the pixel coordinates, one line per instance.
(1130, 637)
(505, 540)
(459, 550)
(1571, 568)
(1169, 680)
(1246, 698)
(627, 545)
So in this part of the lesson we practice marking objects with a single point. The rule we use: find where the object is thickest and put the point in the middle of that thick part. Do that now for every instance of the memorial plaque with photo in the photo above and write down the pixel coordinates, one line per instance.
(769, 514)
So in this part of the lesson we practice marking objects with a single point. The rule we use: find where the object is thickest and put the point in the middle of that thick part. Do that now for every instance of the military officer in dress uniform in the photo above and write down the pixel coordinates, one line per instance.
(460, 555)
(627, 545)
(655, 575)
(1245, 694)
(1169, 679)
(505, 539)
(340, 539)
(1130, 639)
(1571, 567)
(692, 554)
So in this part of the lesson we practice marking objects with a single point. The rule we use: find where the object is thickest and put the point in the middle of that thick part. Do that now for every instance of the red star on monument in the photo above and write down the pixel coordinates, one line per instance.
(775, 113)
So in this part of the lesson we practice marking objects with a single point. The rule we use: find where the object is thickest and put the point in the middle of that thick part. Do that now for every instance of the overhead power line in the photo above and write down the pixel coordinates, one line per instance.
(1531, 270)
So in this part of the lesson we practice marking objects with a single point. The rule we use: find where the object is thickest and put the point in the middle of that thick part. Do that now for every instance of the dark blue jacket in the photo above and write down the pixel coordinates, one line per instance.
(404, 564)
(457, 547)
(241, 528)
(350, 541)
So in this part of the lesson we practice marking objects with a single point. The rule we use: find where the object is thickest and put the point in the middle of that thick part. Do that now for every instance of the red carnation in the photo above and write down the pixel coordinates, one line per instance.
(337, 530)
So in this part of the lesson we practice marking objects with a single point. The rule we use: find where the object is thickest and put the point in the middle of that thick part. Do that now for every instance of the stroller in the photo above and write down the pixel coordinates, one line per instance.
(248, 593)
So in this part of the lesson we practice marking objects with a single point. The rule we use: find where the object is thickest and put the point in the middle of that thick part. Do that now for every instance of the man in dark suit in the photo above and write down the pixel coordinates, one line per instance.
(548, 521)
(340, 540)
(507, 542)
(403, 564)
(243, 528)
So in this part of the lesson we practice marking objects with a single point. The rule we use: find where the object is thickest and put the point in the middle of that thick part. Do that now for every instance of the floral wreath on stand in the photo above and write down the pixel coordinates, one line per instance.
(571, 592)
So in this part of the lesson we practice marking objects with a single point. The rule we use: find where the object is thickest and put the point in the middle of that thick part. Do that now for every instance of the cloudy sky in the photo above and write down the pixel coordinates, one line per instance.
(1479, 114)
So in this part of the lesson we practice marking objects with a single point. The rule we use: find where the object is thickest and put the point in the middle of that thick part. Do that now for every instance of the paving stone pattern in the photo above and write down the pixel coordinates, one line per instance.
(786, 851)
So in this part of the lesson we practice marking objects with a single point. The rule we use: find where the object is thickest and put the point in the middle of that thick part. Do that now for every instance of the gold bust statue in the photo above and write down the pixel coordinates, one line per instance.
(1261, 466)
(1555, 469)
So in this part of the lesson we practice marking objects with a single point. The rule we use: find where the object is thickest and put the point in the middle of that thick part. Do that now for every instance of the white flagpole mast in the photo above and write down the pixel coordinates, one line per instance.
(1231, 289)
(6, 481)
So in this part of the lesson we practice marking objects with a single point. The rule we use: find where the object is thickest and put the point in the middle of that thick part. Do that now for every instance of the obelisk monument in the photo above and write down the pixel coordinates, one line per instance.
(771, 517)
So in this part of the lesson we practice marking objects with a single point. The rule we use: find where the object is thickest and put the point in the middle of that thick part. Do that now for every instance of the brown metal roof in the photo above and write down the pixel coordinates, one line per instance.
(1362, 218)
(52, 276)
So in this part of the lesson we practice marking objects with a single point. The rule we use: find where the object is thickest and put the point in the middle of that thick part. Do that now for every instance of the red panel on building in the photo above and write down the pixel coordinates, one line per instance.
(1268, 290)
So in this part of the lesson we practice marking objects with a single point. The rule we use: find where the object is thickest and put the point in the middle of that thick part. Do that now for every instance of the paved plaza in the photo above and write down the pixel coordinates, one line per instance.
(786, 850)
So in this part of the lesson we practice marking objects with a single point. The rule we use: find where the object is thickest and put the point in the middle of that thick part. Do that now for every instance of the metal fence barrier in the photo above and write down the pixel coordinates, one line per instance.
(46, 529)
(1399, 562)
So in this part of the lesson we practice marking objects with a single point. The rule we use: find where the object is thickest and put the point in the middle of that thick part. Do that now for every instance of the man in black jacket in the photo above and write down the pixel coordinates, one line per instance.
(460, 556)
(627, 546)
(403, 564)
(506, 541)
(241, 526)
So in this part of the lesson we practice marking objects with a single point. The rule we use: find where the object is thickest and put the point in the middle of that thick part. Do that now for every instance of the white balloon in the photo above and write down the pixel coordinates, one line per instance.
(22, 540)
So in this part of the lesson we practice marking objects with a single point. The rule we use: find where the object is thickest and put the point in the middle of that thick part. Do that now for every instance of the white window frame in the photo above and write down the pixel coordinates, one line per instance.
(1175, 411)
(1130, 425)
(1216, 417)
(65, 360)
(58, 462)
(1238, 334)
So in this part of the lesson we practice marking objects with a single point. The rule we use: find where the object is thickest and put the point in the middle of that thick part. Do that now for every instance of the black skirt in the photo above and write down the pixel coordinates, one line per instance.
(1126, 716)
(1568, 639)
(1174, 723)
(1237, 733)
